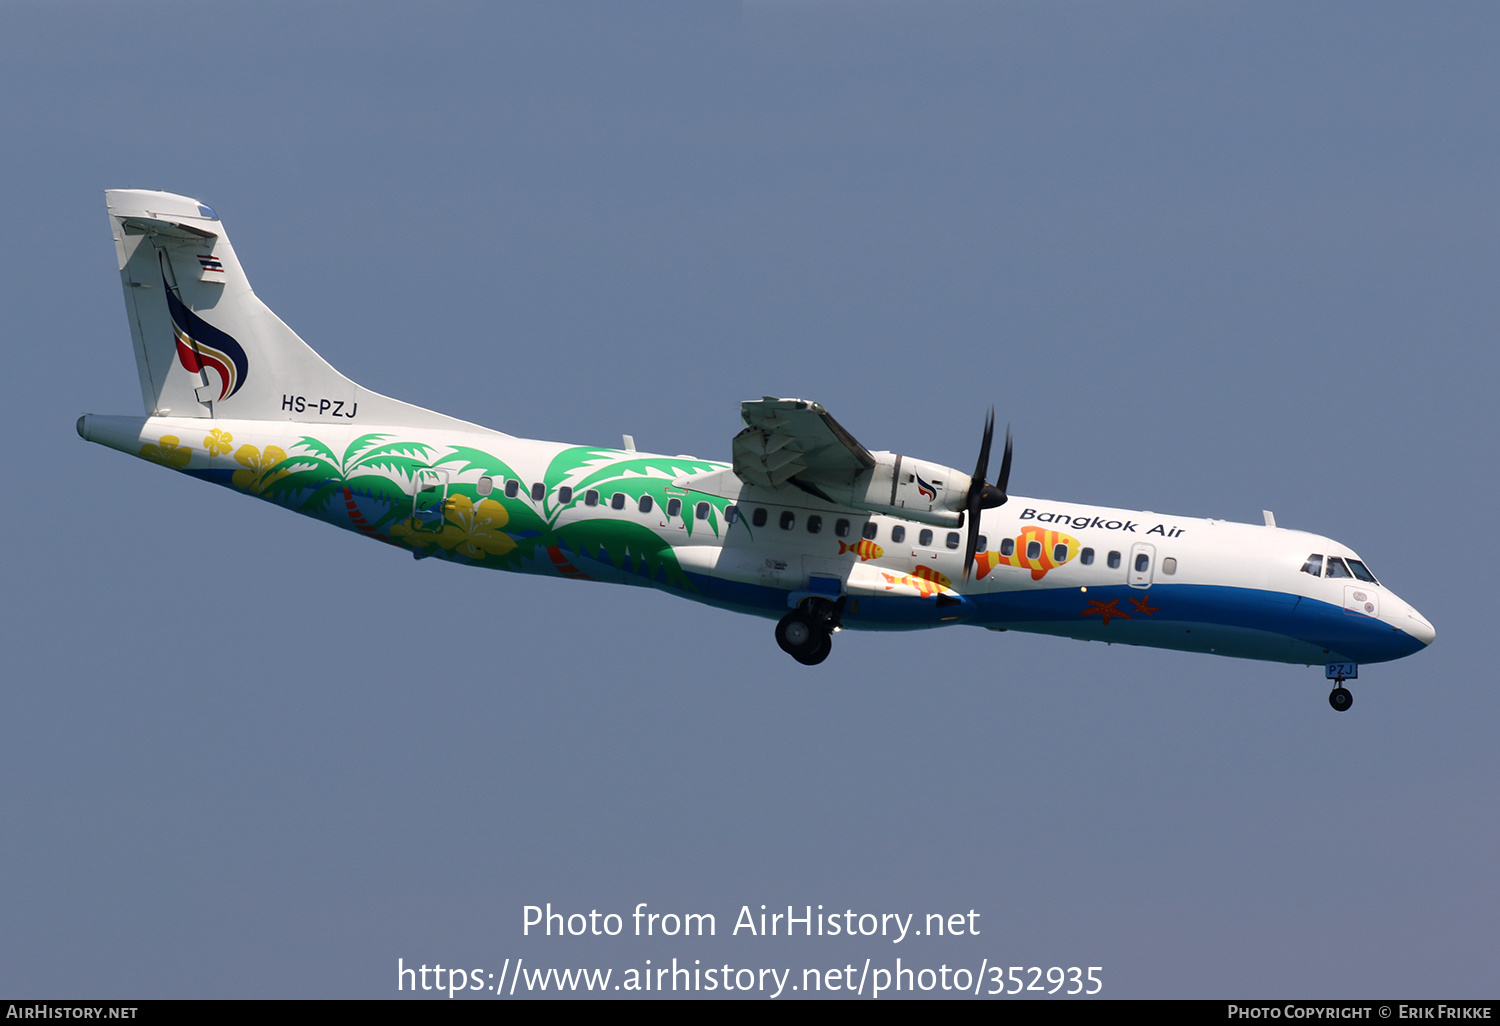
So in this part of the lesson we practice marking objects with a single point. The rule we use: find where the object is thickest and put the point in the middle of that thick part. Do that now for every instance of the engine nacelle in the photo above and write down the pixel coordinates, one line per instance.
(928, 493)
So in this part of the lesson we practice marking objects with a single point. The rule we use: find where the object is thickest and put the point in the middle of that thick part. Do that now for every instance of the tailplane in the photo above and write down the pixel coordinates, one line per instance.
(206, 346)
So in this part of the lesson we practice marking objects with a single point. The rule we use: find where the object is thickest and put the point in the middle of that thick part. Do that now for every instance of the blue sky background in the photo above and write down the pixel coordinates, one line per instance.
(1205, 259)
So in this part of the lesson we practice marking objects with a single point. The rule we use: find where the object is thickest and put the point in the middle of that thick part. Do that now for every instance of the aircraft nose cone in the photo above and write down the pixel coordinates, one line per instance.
(1417, 626)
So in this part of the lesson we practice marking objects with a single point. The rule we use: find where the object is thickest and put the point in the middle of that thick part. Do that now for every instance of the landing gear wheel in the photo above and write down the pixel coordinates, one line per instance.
(803, 638)
(818, 654)
(1340, 699)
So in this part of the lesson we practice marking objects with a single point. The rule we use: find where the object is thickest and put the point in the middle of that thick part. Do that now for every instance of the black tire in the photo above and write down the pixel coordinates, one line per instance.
(817, 655)
(1340, 699)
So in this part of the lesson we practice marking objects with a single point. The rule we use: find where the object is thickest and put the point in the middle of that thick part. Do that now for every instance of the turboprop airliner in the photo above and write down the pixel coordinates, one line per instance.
(805, 525)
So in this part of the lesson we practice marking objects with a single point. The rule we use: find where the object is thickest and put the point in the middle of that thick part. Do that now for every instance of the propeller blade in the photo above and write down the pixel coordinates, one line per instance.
(1003, 485)
(974, 501)
(982, 468)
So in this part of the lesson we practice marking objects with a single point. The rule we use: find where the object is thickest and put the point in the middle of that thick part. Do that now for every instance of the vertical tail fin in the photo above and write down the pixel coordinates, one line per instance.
(205, 345)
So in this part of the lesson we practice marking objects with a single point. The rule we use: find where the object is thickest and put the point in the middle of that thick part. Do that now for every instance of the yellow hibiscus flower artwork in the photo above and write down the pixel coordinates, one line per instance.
(168, 452)
(257, 475)
(471, 529)
(218, 442)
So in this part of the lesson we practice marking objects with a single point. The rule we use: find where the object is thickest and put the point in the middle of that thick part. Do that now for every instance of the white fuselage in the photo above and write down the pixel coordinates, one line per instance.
(688, 526)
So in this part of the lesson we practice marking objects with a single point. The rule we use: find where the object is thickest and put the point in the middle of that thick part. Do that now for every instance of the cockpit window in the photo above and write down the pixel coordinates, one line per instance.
(1314, 565)
(1362, 572)
(1336, 567)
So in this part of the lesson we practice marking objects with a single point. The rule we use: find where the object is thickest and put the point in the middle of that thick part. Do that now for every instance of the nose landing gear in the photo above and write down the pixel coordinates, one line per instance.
(806, 633)
(1339, 697)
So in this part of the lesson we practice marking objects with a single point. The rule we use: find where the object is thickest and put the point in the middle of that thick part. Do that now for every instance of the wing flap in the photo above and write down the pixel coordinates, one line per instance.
(795, 441)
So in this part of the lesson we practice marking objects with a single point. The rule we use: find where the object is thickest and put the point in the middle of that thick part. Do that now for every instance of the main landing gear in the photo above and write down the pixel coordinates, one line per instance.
(806, 633)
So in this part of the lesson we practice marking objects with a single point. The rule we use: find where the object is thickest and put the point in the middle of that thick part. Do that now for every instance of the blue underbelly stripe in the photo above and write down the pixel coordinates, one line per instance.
(1141, 616)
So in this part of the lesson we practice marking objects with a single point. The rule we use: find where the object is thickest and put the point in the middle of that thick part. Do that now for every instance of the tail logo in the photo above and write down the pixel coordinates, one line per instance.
(201, 345)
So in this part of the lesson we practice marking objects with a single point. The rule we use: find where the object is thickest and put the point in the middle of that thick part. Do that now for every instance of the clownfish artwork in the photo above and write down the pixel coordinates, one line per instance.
(864, 549)
(925, 581)
(1046, 545)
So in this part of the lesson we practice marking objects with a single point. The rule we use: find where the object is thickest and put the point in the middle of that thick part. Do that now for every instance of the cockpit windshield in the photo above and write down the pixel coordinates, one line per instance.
(1338, 566)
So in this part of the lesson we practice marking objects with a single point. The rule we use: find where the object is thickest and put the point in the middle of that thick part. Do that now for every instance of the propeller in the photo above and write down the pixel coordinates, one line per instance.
(981, 494)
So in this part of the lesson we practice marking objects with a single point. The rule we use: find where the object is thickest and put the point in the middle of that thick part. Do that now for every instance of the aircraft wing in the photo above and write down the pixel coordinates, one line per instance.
(792, 445)
(795, 442)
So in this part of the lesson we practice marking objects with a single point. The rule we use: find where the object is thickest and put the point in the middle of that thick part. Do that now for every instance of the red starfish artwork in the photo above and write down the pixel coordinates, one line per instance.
(1104, 609)
(1143, 605)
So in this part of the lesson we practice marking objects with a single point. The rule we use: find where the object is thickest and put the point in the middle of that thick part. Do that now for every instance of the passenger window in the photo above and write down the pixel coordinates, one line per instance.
(1033, 549)
(537, 491)
(982, 544)
(701, 512)
(1086, 557)
(617, 500)
(486, 485)
(841, 528)
(565, 495)
(924, 537)
(788, 520)
(1142, 562)
(1169, 565)
(731, 513)
(898, 533)
(512, 489)
(1362, 572)
(952, 540)
(1114, 561)
(645, 504)
(591, 498)
(814, 524)
(1008, 547)
(758, 518)
(1060, 553)
(674, 507)
(870, 530)
(1336, 568)
(1314, 565)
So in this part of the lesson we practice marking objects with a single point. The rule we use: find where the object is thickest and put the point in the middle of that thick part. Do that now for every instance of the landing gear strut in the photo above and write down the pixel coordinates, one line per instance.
(1339, 697)
(806, 633)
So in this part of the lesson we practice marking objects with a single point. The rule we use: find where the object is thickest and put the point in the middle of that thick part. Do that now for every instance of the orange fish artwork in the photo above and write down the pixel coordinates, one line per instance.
(864, 549)
(923, 581)
(930, 575)
(1048, 543)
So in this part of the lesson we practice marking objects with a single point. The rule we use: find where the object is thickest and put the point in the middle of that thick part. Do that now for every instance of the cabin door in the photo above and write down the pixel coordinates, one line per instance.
(1142, 564)
(429, 498)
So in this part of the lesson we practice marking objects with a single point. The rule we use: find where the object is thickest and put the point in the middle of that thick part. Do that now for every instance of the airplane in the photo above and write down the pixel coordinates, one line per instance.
(804, 525)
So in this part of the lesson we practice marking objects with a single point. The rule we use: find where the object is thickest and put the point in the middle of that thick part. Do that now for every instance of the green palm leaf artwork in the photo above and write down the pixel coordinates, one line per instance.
(584, 468)
(626, 546)
(309, 478)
